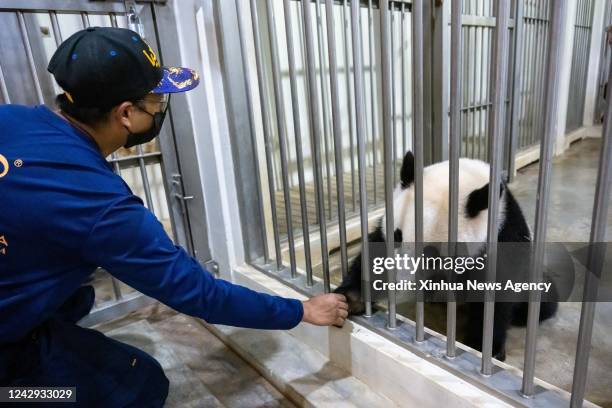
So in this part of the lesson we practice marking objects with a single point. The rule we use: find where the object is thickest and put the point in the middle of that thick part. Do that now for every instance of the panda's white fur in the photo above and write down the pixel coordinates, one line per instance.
(474, 175)
(473, 219)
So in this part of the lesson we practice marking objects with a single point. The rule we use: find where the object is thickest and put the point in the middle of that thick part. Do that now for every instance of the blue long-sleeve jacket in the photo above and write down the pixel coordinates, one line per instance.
(63, 212)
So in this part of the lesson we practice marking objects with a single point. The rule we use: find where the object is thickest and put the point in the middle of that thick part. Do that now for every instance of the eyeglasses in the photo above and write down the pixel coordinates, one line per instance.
(163, 102)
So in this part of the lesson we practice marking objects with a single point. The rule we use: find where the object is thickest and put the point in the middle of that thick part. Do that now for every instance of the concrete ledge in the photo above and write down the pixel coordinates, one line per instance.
(390, 370)
(583, 133)
(301, 373)
(532, 154)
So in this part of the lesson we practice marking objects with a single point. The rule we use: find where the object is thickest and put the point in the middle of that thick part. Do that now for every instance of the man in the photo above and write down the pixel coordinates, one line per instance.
(63, 212)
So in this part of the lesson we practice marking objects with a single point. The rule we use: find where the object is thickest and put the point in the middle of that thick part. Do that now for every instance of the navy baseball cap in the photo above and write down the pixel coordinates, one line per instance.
(104, 66)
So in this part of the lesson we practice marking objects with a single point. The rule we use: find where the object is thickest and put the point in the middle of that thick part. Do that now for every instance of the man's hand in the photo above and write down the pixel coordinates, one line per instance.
(325, 310)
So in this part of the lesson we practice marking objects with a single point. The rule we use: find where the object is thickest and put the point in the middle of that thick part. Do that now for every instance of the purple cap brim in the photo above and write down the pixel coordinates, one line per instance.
(177, 79)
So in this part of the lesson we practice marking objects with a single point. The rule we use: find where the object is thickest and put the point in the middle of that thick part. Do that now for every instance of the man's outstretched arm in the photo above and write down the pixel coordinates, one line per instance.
(128, 241)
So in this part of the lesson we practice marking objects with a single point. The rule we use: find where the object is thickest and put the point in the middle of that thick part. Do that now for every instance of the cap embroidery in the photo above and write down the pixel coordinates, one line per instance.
(151, 56)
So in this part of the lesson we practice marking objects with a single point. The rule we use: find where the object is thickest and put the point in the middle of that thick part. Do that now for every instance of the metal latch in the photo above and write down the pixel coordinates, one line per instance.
(176, 181)
(133, 18)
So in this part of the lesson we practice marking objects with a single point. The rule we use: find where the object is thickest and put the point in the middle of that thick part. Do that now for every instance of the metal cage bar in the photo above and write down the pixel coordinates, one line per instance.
(298, 140)
(337, 133)
(282, 133)
(418, 128)
(497, 130)
(30, 56)
(261, 79)
(387, 119)
(324, 106)
(543, 192)
(516, 87)
(373, 98)
(595, 259)
(350, 99)
(361, 151)
(249, 98)
(315, 121)
(453, 160)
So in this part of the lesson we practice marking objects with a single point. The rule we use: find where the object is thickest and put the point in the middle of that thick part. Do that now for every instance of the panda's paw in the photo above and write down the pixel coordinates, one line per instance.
(500, 355)
(353, 298)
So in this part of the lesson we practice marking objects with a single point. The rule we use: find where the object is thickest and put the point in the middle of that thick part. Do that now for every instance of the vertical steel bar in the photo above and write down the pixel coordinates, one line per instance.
(85, 19)
(249, 100)
(403, 56)
(282, 132)
(478, 85)
(145, 179)
(393, 86)
(453, 160)
(316, 130)
(483, 99)
(57, 33)
(471, 89)
(496, 130)
(594, 266)
(115, 284)
(539, 78)
(326, 130)
(3, 88)
(141, 163)
(373, 98)
(387, 120)
(30, 56)
(265, 113)
(349, 98)
(361, 152)
(524, 90)
(464, 78)
(551, 101)
(417, 134)
(479, 102)
(516, 87)
(533, 84)
(298, 139)
(482, 95)
(337, 131)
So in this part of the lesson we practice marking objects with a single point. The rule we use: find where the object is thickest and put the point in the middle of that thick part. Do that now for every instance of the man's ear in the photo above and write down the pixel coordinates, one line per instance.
(123, 113)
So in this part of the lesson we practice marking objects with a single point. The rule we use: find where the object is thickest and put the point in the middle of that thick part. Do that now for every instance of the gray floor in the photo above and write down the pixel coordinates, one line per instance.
(202, 371)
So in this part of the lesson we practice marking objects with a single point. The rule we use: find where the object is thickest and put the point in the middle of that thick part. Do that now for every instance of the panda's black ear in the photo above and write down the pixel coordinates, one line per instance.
(407, 172)
(478, 200)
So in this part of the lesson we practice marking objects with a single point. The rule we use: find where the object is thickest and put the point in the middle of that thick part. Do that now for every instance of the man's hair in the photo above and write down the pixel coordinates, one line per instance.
(91, 116)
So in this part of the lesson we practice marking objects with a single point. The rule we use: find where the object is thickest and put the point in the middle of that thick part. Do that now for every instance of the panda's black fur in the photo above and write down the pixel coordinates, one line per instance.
(513, 228)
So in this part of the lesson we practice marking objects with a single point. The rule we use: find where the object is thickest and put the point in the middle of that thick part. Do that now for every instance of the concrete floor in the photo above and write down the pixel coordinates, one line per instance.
(202, 371)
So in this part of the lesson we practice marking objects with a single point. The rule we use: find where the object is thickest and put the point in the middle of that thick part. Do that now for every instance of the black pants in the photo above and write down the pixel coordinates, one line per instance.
(105, 372)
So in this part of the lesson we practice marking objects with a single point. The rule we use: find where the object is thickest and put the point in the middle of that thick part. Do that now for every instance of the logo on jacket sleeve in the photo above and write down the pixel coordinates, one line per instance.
(4, 166)
(3, 245)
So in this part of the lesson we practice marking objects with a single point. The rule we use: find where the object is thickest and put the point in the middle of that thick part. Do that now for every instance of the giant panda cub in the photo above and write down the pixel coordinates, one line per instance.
(472, 228)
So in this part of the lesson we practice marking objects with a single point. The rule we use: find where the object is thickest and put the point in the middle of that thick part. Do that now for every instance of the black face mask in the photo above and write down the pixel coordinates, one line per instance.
(148, 135)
